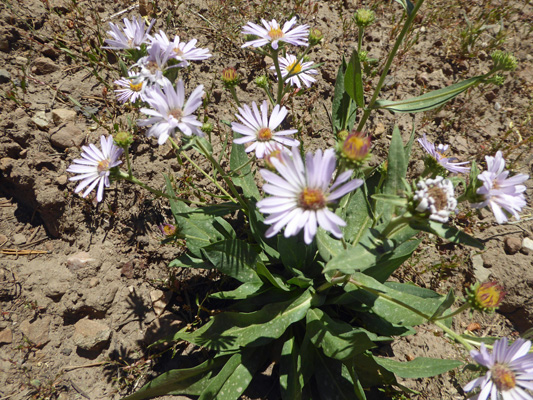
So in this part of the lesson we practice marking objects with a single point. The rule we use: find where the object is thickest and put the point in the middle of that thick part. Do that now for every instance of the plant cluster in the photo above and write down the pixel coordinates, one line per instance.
(312, 263)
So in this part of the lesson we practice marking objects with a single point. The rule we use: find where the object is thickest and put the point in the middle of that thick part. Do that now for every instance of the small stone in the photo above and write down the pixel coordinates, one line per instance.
(21, 61)
(5, 76)
(379, 130)
(422, 79)
(6, 336)
(61, 115)
(512, 245)
(19, 238)
(480, 272)
(94, 282)
(3, 239)
(62, 180)
(160, 300)
(56, 288)
(83, 265)
(41, 120)
(91, 335)
(497, 106)
(43, 66)
(66, 351)
(527, 245)
(127, 270)
(68, 136)
(37, 331)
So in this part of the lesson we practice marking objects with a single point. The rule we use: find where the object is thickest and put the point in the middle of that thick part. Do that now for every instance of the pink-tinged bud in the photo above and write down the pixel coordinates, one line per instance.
(230, 77)
(167, 230)
(356, 147)
(486, 296)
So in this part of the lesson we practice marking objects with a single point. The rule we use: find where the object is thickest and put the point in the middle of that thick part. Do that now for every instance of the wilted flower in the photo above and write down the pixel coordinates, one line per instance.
(300, 196)
(181, 51)
(130, 37)
(262, 81)
(438, 154)
(290, 66)
(355, 148)
(94, 165)
(171, 111)
(272, 33)
(509, 371)
(503, 60)
(485, 296)
(499, 191)
(134, 88)
(436, 198)
(258, 128)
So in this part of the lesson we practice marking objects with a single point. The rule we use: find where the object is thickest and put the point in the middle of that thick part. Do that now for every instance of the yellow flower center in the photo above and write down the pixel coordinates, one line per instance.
(169, 229)
(356, 147)
(176, 113)
(312, 199)
(264, 135)
(136, 87)
(178, 51)
(294, 68)
(275, 33)
(102, 166)
(503, 377)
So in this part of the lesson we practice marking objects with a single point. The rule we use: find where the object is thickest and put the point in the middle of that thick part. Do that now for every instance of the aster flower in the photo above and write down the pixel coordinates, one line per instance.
(271, 33)
(300, 196)
(133, 88)
(130, 37)
(170, 111)
(438, 154)
(181, 51)
(499, 191)
(274, 150)
(509, 371)
(435, 197)
(155, 64)
(289, 66)
(94, 165)
(256, 127)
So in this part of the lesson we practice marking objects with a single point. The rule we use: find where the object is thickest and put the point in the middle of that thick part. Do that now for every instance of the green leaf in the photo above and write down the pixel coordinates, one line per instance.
(446, 304)
(290, 371)
(343, 111)
(232, 330)
(420, 367)
(391, 199)
(387, 265)
(244, 291)
(407, 5)
(328, 247)
(233, 257)
(353, 80)
(358, 216)
(276, 281)
(429, 100)
(333, 379)
(177, 379)
(245, 179)
(337, 339)
(447, 232)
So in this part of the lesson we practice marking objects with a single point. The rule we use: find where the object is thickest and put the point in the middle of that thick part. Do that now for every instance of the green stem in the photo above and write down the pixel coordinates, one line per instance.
(234, 95)
(388, 63)
(395, 225)
(464, 307)
(267, 91)
(360, 39)
(128, 163)
(279, 95)
(454, 335)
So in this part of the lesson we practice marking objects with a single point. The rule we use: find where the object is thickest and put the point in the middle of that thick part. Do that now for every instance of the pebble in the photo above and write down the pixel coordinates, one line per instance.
(160, 300)
(512, 245)
(21, 61)
(3, 239)
(6, 336)
(62, 180)
(497, 106)
(5, 76)
(19, 238)
(480, 272)
(44, 66)
(61, 115)
(94, 282)
(90, 335)
(68, 136)
(41, 120)
(527, 245)
(37, 331)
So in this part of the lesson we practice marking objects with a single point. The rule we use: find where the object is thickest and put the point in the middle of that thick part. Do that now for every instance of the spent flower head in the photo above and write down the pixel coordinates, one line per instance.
(364, 17)
(129, 37)
(315, 36)
(300, 194)
(93, 168)
(509, 371)
(301, 71)
(271, 33)
(257, 128)
(503, 60)
(435, 198)
(437, 152)
(500, 192)
(485, 296)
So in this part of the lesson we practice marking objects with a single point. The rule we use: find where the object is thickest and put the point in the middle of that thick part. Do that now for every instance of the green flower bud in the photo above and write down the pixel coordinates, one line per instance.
(504, 60)
(342, 135)
(207, 127)
(123, 139)
(364, 17)
(315, 36)
(262, 81)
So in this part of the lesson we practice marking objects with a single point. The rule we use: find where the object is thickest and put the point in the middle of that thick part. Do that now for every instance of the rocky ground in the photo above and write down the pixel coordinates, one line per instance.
(85, 287)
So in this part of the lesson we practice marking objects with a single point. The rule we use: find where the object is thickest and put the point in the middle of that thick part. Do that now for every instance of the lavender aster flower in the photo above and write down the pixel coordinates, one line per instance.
(182, 51)
(438, 154)
(130, 37)
(133, 88)
(290, 65)
(256, 127)
(154, 64)
(436, 197)
(499, 191)
(510, 371)
(272, 33)
(171, 111)
(300, 196)
(94, 165)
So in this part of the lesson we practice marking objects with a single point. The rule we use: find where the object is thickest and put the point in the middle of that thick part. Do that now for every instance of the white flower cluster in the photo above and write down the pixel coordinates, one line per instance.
(436, 197)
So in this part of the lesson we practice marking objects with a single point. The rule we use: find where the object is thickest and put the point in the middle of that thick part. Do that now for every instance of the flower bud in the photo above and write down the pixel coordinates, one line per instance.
(356, 147)
(315, 36)
(504, 61)
(167, 230)
(230, 78)
(485, 296)
(262, 81)
(207, 127)
(123, 139)
(274, 151)
(342, 135)
(364, 17)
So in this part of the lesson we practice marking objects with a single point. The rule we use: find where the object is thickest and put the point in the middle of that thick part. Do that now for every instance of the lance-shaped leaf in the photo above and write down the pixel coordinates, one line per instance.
(447, 232)
(353, 80)
(429, 100)
(291, 377)
(344, 109)
(420, 367)
(407, 5)
(333, 379)
(245, 177)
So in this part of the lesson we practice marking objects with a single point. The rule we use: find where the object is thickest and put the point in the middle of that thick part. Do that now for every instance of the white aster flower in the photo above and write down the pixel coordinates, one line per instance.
(170, 111)
(271, 33)
(300, 196)
(436, 197)
(94, 165)
(154, 64)
(182, 51)
(130, 37)
(257, 128)
(509, 371)
(438, 154)
(290, 65)
(499, 191)
(133, 88)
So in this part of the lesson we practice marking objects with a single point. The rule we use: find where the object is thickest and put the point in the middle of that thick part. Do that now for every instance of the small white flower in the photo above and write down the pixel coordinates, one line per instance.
(436, 197)
(182, 51)
(300, 196)
(130, 37)
(257, 128)
(94, 165)
(438, 154)
(134, 87)
(290, 65)
(154, 64)
(171, 111)
(271, 33)
(501, 192)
